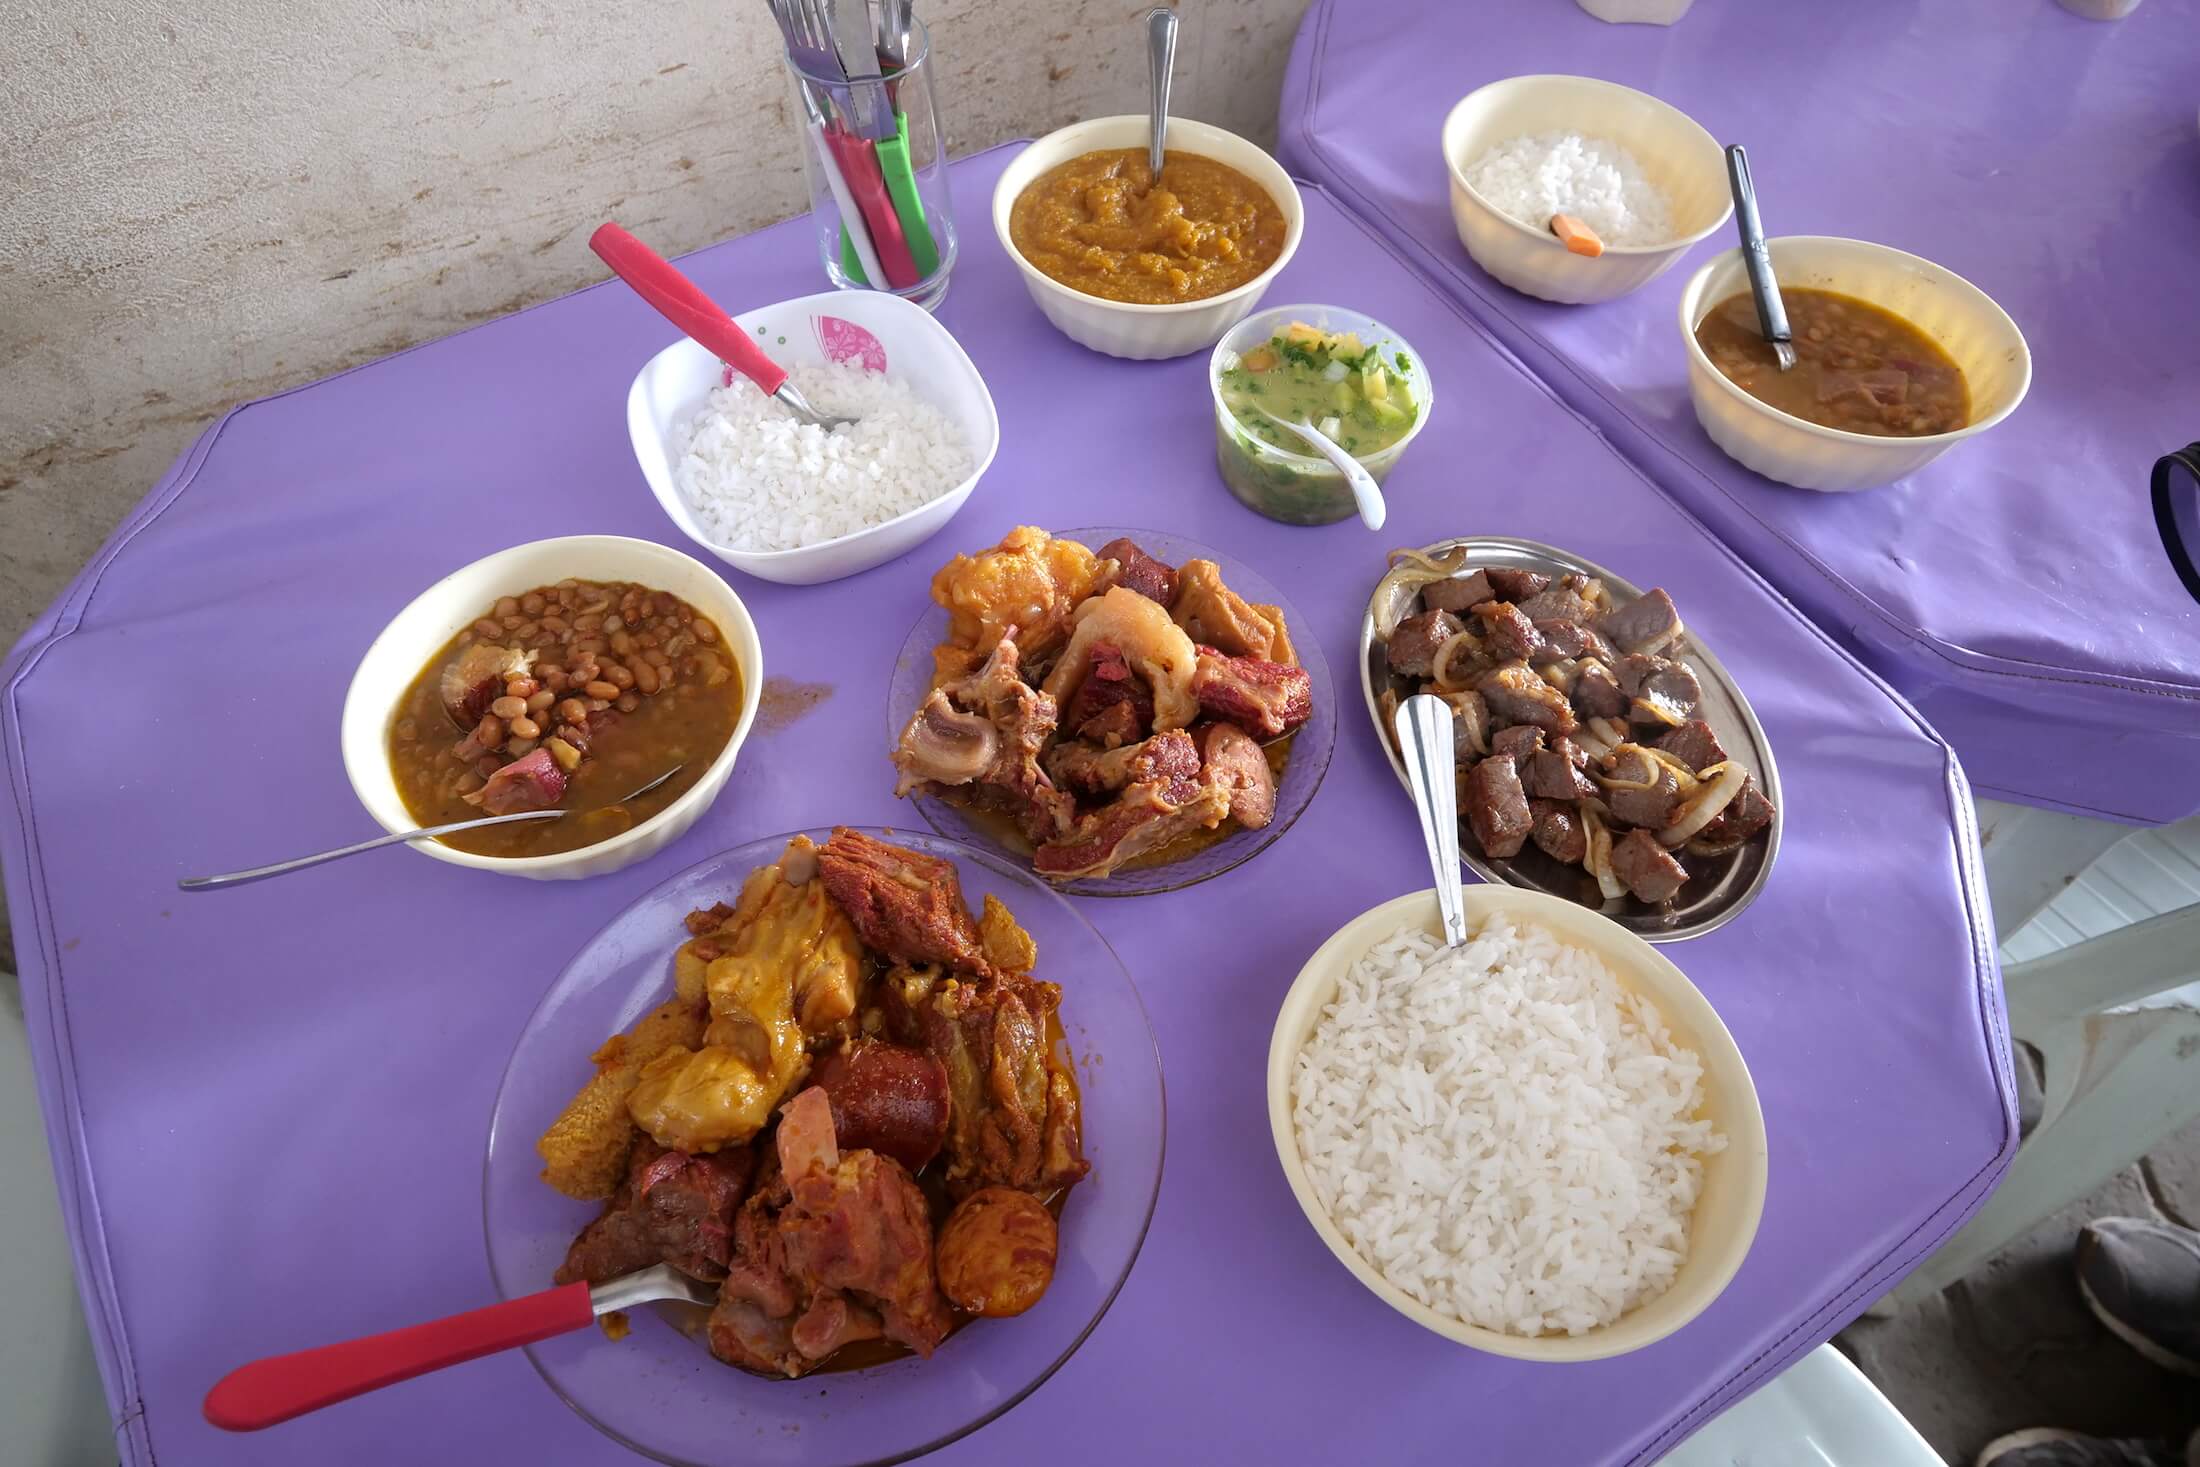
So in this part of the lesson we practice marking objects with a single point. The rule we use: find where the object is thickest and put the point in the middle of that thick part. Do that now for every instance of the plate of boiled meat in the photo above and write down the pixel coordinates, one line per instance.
(1125, 711)
(1602, 754)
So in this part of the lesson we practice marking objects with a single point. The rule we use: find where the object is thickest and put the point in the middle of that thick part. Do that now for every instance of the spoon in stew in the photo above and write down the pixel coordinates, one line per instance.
(1425, 731)
(261, 873)
(1772, 317)
(1160, 63)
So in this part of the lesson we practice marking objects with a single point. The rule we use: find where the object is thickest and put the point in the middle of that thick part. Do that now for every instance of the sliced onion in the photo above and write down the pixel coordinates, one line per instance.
(1473, 726)
(1688, 777)
(1657, 709)
(1453, 560)
(1441, 664)
(1721, 783)
(1561, 674)
(1615, 732)
(1598, 858)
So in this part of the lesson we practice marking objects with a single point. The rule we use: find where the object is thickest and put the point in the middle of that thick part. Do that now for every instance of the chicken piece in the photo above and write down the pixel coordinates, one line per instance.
(476, 678)
(1212, 613)
(1153, 579)
(904, 904)
(670, 1208)
(1230, 760)
(1030, 581)
(1515, 693)
(996, 1251)
(585, 1150)
(1111, 702)
(1155, 648)
(1164, 800)
(887, 1098)
(1647, 868)
(535, 782)
(1266, 699)
(1497, 809)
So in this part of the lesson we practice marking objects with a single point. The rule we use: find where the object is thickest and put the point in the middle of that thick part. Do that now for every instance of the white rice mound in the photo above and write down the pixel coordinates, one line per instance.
(758, 479)
(1537, 175)
(1504, 1132)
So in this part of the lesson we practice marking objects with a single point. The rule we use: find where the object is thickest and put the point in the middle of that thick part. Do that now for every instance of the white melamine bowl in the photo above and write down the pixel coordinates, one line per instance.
(1683, 160)
(1963, 319)
(1733, 1197)
(865, 327)
(437, 614)
(1120, 328)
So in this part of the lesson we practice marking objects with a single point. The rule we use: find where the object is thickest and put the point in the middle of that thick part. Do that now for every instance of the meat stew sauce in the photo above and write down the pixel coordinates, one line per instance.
(1858, 367)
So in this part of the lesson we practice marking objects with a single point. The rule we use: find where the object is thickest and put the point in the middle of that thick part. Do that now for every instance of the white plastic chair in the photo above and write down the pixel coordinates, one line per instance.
(1819, 1412)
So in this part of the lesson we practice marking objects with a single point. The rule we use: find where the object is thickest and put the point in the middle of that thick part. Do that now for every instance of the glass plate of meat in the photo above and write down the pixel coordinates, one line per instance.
(1126, 711)
(800, 964)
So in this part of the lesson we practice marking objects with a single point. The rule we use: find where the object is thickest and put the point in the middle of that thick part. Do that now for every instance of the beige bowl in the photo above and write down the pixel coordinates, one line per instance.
(1733, 1198)
(1963, 319)
(1119, 328)
(1683, 160)
(436, 615)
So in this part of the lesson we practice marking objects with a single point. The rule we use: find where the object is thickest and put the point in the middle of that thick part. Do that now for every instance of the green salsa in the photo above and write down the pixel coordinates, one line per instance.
(1361, 399)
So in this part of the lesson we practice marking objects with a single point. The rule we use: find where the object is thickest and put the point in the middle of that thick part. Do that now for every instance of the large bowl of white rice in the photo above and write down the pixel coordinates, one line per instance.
(1543, 1144)
(787, 501)
(1641, 173)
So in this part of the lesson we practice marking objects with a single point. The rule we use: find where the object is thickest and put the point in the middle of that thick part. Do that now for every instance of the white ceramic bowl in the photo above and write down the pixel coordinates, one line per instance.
(436, 615)
(1963, 319)
(866, 327)
(1733, 1197)
(1683, 160)
(1119, 328)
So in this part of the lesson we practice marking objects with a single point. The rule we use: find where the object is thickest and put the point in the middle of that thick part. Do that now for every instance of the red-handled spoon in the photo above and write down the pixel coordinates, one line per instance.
(680, 301)
(282, 1386)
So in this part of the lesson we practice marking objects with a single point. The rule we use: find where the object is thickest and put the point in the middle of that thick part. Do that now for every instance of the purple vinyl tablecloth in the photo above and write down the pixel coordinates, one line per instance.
(268, 1106)
(2016, 591)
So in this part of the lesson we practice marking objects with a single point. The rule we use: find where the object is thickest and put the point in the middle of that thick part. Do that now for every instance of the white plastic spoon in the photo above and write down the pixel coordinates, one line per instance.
(1365, 491)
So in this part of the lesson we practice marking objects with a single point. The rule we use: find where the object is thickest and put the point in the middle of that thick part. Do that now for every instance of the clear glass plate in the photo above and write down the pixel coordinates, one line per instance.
(659, 1391)
(1311, 746)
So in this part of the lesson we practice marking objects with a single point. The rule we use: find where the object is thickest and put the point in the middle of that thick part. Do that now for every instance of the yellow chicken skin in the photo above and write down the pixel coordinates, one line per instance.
(1030, 583)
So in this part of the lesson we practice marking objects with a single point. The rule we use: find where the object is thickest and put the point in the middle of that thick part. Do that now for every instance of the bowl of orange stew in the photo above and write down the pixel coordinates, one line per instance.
(562, 674)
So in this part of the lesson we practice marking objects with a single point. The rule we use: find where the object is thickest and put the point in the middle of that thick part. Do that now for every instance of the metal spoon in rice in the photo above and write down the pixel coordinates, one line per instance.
(1424, 724)
(682, 302)
(261, 873)
(1772, 317)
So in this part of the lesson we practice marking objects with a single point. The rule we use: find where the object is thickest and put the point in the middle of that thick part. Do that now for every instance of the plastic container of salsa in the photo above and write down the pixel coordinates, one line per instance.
(1269, 468)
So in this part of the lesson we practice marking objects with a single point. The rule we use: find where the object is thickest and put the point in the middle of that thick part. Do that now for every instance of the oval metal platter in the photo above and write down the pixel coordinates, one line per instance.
(1718, 887)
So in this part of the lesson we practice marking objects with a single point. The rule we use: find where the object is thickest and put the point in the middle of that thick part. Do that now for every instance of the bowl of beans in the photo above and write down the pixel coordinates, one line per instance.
(571, 675)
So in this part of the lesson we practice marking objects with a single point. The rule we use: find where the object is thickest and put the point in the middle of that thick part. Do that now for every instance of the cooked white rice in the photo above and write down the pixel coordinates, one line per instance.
(1535, 176)
(1503, 1131)
(760, 480)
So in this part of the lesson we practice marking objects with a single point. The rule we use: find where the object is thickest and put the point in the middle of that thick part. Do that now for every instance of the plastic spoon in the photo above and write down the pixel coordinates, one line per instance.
(1365, 491)
(1424, 723)
(1160, 62)
(1772, 317)
(680, 301)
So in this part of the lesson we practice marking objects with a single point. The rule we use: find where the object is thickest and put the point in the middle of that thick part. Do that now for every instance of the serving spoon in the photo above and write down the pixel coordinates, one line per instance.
(283, 1386)
(1772, 317)
(1160, 63)
(1366, 493)
(261, 873)
(1424, 723)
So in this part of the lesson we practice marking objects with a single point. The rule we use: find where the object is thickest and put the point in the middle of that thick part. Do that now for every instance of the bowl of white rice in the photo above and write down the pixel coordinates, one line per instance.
(1640, 173)
(786, 501)
(1543, 1144)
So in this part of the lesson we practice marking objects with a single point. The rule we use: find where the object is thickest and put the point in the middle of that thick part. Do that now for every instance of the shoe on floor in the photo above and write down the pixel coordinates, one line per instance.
(2046, 1447)
(2141, 1279)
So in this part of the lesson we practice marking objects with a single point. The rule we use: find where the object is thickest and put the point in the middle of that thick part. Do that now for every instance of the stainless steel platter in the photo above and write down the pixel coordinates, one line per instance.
(1719, 887)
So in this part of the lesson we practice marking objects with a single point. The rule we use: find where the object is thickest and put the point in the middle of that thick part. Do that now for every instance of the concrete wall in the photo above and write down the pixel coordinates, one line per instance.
(208, 202)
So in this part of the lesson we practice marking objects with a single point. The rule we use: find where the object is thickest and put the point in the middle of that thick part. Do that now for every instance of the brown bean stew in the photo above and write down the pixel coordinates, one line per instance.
(1857, 367)
(571, 695)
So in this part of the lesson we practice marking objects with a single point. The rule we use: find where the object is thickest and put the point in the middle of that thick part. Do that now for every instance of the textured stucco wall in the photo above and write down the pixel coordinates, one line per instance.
(210, 201)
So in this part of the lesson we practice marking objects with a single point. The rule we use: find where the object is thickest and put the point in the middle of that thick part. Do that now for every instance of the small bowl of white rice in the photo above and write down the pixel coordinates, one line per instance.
(1640, 173)
(1543, 1144)
(787, 501)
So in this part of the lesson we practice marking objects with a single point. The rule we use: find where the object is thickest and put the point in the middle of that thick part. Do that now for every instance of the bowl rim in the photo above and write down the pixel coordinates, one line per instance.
(1699, 283)
(682, 517)
(1458, 172)
(1705, 1025)
(1287, 197)
(696, 797)
(1396, 450)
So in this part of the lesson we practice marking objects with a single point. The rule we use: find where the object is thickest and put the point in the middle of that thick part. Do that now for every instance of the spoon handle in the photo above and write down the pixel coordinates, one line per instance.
(261, 873)
(1757, 257)
(1161, 62)
(1425, 741)
(682, 302)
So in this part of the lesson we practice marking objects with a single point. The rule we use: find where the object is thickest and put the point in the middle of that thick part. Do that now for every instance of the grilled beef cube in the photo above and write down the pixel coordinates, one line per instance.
(1694, 744)
(1516, 585)
(1574, 598)
(1647, 868)
(1563, 639)
(1597, 693)
(1497, 809)
(1515, 693)
(1638, 789)
(1558, 832)
(1559, 773)
(1746, 814)
(1660, 691)
(1458, 594)
(1520, 743)
(1506, 634)
(1153, 579)
(1412, 646)
(1646, 624)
